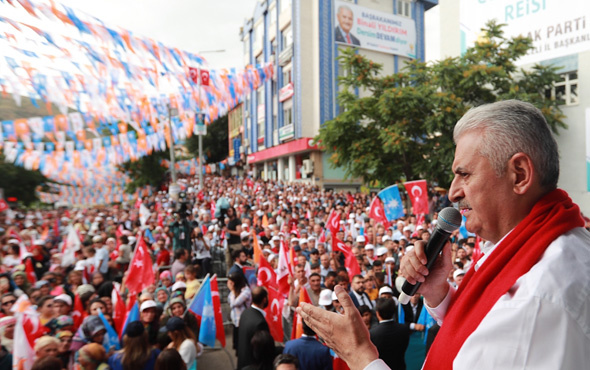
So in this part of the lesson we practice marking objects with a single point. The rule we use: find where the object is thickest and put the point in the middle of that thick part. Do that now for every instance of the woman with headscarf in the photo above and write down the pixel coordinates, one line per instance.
(162, 297)
(63, 349)
(21, 281)
(183, 340)
(46, 346)
(92, 356)
(7, 331)
(136, 353)
(177, 308)
(92, 330)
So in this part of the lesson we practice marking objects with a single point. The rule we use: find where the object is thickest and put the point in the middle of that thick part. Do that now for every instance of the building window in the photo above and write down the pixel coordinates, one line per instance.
(285, 5)
(273, 18)
(404, 8)
(286, 38)
(287, 116)
(260, 129)
(286, 77)
(565, 90)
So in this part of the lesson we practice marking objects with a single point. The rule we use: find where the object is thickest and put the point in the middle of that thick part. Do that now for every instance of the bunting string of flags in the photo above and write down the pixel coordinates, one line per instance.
(122, 86)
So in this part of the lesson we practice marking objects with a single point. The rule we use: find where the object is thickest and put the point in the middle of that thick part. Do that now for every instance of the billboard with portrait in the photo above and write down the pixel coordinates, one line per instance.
(374, 30)
(557, 27)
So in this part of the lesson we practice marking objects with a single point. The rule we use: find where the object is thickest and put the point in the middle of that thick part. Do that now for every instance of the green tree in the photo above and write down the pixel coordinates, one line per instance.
(147, 170)
(19, 182)
(215, 145)
(402, 129)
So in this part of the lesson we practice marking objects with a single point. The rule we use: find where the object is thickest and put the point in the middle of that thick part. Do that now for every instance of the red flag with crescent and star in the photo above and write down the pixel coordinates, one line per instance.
(266, 275)
(377, 212)
(273, 313)
(219, 329)
(350, 261)
(333, 222)
(418, 195)
(140, 273)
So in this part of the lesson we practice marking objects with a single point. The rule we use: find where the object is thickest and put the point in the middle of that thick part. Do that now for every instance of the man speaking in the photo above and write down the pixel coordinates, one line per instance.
(526, 302)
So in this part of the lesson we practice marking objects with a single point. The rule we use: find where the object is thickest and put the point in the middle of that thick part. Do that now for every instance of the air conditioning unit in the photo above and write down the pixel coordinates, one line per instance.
(307, 166)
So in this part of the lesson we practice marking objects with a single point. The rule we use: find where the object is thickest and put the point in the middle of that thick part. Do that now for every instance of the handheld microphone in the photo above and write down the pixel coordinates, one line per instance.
(449, 220)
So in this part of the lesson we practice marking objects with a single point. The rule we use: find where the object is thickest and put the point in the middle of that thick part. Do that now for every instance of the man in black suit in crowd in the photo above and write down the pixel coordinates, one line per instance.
(390, 338)
(345, 23)
(251, 321)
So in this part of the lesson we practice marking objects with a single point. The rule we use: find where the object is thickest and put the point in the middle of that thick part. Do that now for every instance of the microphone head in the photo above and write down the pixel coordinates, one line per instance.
(449, 219)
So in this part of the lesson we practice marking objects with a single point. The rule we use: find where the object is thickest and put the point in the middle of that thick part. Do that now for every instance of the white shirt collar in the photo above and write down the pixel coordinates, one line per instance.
(259, 310)
(487, 249)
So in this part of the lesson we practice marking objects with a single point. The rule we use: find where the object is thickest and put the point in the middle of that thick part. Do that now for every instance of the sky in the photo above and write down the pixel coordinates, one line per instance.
(197, 26)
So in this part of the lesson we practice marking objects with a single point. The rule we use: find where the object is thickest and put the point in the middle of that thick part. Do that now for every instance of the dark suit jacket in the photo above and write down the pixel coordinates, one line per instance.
(339, 38)
(391, 340)
(235, 269)
(409, 313)
(312, 354)
(357, 304)
(251, 321)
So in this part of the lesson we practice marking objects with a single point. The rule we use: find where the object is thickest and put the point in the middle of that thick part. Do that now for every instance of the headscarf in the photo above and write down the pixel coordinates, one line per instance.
(164, 305)
(173, 301)
(26, 285)
(92, 353)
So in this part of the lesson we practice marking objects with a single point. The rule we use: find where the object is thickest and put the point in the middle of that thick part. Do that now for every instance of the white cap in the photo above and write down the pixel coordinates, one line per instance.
(407, 228)
(351, 216)
(357, 226)
(302, 240)
(276, 238)
(381, 251)
(360, 239)
(271, 257)
(244, 225)
(334, 296)
(294, 240)
(385, 238)
(13, 241)
(178, 285)
(39, 242)
(147, 304)
(64, 298)
(259, 213)
(458, 272)
(369, 247)
(390, 260)
(385, 289)
(244, 234)
(97, 239)
(325, 297)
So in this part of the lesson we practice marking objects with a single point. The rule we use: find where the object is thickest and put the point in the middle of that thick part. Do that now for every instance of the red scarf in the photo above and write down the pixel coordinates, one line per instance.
(552, 216)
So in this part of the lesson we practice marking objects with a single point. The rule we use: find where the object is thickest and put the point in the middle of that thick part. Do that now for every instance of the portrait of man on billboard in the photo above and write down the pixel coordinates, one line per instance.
(345, 18)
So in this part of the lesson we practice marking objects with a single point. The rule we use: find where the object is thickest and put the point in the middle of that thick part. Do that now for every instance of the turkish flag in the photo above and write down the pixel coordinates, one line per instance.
(219, 329)
(3, 205)
(140, 273)
(30, 271)
(418, 195)
(377, 213)
(350, 261)
(204, 77)
(193, 74)
(119, 310)
(273, 313)
(334, 222)
(78, 313)
(266, 275)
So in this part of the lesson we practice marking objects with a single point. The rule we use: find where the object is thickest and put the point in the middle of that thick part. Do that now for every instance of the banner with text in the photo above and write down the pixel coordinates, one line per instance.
(370, 29)
(557, 27)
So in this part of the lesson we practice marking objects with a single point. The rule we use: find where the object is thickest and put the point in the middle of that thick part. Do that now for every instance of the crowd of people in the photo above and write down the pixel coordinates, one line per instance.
(204, 232)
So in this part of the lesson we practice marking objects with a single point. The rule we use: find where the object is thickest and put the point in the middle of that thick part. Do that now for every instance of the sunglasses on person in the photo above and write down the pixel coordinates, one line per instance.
(8, 302)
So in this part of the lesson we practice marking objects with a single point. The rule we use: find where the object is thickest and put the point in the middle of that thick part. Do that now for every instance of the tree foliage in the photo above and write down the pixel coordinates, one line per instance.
(146, 171)
(19, 182)
(401, 128)
(215, 145)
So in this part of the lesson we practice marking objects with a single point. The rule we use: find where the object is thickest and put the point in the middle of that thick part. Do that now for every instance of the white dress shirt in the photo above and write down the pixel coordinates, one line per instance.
(542, 322)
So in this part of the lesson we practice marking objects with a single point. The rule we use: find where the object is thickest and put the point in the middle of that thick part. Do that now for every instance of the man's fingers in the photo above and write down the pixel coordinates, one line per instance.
(344, 299)
(419, 246)
(316, 318)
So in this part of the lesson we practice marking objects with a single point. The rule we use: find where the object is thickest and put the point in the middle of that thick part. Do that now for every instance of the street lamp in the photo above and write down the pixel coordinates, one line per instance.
(174, 188)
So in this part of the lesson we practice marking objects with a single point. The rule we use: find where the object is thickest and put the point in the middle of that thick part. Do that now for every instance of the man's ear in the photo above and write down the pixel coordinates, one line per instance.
(522, 173)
